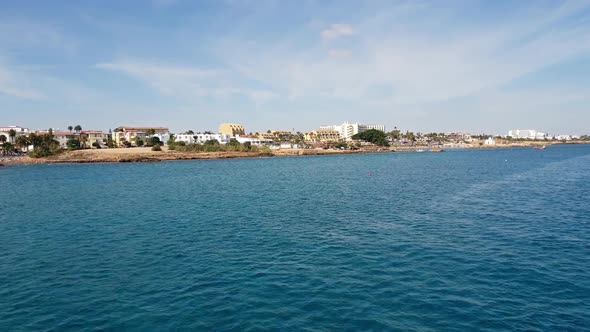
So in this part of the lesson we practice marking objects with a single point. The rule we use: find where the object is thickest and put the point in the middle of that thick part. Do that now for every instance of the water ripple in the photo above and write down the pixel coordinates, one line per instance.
(467, 240)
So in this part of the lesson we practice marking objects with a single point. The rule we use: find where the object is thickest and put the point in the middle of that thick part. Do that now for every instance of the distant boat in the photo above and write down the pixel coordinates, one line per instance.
(540, 147)
(420, 150)
(437, 150)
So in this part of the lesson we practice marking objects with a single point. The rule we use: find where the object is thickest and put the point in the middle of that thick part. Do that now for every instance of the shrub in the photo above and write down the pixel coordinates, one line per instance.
(156, 147)
(341, 145)
(155, 141)
(73, 144)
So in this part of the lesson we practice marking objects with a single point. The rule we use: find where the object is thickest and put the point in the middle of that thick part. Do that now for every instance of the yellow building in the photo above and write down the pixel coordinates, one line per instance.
(265, 136)
(88, 137)
(130, 134)
(232, 129)
(278, 133)
(322, 136)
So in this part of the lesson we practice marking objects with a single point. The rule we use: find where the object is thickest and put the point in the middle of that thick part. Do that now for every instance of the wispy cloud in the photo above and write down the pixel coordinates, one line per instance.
(337, 30)
(186, 81)
(416, 65)
(16, 85)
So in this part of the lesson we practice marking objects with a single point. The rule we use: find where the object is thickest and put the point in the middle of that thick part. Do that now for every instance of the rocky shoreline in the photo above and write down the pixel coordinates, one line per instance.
(143, 155)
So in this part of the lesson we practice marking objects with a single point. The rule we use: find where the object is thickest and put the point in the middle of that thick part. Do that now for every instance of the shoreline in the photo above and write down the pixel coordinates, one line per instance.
(140, 155)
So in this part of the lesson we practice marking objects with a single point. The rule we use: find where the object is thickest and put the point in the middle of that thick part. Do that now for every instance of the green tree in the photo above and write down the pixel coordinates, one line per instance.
(7, 149)
(110, 142)
(139, 141)
(171, 140)
(395, 134)
(12, 135)
(341, 145)
(44, 145)
(22, 142)
(70, 128)
(374, 136)
(150, 132)
(73, 144)
(3, 139)
(155, 141)
(78, 128)
(233, 142)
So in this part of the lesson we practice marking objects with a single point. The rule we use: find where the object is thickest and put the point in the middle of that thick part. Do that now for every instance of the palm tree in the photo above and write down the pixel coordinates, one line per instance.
(7, 148)
(3, 139)
(70, 128)
(12, 134)
(23, 142)
(78, 128)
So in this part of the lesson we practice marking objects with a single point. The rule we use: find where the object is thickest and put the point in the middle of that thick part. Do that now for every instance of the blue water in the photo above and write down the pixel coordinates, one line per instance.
(457, 241)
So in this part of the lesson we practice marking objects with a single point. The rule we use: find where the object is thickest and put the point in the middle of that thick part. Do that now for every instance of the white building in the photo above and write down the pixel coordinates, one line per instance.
(526, 134)
(490, 141)
(347, 129)
(200, 138)
(5, 131)
(566, 137)
(253, 140)
(131, 134)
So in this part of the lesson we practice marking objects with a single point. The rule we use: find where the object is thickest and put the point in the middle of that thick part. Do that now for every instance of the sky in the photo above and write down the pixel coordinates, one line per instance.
(444, 66)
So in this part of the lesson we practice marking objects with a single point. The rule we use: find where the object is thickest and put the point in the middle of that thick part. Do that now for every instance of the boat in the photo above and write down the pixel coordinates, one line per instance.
(420, 150)
(437, 150)
(543, 147)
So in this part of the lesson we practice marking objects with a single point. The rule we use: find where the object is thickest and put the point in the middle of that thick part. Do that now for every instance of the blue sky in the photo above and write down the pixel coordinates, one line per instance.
(477, 66)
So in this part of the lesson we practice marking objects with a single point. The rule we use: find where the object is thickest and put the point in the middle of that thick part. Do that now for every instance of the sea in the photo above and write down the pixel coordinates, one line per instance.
(465, 240)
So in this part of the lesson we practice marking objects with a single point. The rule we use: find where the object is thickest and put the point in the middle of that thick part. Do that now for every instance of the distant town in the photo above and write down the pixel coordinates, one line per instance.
(16, 140)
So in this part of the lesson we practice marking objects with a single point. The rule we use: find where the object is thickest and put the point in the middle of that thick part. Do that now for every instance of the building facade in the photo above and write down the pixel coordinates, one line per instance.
(490, 141)
(5, 131)
(322, 136)
(526, 134)
(94, 138)
(253, 140)
(347, 129)
(200, 138)
(232, 129)
(131, 134)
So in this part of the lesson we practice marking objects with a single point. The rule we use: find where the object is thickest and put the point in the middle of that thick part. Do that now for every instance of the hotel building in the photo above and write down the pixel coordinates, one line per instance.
(347, 129)
(323, 136)
(526, 134)
(130, 134)
(232, 129)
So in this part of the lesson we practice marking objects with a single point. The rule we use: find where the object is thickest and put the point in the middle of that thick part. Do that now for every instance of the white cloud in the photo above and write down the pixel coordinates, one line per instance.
(337, 30)
(16, 85)
(405, 63)
(186, 81)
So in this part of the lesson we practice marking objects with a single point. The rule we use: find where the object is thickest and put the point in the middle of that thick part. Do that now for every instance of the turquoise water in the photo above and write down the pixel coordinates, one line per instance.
(456, 241)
